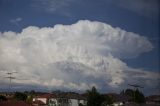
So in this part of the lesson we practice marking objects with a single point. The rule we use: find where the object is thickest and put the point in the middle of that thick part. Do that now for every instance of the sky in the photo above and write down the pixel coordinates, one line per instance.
(77, 44)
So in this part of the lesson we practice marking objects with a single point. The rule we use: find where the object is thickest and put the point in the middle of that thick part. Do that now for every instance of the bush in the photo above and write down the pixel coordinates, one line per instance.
(2, 98)
(20, 96)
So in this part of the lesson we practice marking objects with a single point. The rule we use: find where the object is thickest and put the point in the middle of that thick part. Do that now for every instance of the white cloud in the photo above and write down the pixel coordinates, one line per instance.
(16, 21)
(52, 6)
(75, 56)
(147, 8)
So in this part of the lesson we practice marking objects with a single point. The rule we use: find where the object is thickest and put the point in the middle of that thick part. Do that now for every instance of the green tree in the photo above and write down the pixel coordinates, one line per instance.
(129, 92)
(20, 96)
(94, 98)
(2, 98)
(136, 95)
(109, 100)
(32, 92)
(29, 99)
(139, 97)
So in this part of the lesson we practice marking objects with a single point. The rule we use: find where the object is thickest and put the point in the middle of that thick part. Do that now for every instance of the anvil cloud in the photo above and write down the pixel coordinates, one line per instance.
(76, 57)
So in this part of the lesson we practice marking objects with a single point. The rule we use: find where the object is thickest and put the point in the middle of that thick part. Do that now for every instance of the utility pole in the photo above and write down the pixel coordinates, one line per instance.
(10, 77)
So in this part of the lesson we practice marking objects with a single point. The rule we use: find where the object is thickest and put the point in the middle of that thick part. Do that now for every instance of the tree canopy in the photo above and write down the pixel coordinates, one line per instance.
(2, 98)
(94, 98)
(20, 96)
(136, 95)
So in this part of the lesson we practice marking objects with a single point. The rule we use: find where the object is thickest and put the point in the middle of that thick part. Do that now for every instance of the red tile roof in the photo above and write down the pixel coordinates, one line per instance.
(13, 103)
(46, 96)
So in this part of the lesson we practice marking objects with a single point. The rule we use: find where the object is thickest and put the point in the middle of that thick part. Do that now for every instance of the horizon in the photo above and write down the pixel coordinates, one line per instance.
(69, 91)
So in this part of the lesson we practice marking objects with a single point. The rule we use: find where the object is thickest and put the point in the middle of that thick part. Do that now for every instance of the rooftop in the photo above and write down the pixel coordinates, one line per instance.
(13, 103)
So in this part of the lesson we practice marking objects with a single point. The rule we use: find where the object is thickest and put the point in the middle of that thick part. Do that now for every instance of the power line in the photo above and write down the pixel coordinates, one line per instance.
(135, 86)
(10, 77)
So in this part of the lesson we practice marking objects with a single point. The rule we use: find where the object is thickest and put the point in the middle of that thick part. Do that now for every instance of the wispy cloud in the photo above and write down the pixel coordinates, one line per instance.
(75, 56)
(53, 6)
(147, 8)
(16, 21)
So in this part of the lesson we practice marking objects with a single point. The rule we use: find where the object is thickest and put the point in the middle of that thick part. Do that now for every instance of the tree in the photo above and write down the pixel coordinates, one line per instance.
(29, 99)
(129, 92)
(94, 98)
(109, 100)
(2, 98)
(32, 92)
(136, 95)
(139, 97)
(20, 96)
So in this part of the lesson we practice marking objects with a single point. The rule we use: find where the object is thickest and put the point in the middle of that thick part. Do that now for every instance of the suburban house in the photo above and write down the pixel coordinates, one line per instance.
(62, 99)
(38, 103)
(13, 103)
(42, 99)
(8, 95)
(153, 100)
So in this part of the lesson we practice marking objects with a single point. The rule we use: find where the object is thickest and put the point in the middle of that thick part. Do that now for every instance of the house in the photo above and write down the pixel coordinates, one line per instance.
(14, 103)
(61, 99)
(38, 103)
(8, 95)
(42, 99)
(68, 99)
(153, 100)
(82, 100)
(76, 99)
(118, 104)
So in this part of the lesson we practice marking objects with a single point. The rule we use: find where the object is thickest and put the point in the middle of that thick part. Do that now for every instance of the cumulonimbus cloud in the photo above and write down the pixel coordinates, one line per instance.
(75, 56)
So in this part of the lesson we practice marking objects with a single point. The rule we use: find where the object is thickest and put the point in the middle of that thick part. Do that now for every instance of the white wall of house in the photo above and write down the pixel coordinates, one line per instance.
(44, 100)
(54, 101)
(83, 102)
(74, 102)
(118, 104)
(51, 100)
(34, 99)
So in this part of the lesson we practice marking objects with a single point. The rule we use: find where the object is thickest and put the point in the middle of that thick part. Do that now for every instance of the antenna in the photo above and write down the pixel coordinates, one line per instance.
(10, 77)
(135, 86)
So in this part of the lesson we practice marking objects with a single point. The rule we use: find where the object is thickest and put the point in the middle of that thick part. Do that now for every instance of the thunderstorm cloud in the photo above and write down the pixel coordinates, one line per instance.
(76, 57)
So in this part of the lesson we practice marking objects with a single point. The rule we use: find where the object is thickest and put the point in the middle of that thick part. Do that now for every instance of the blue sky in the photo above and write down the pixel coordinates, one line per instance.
(34, 15)
(138, 16)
